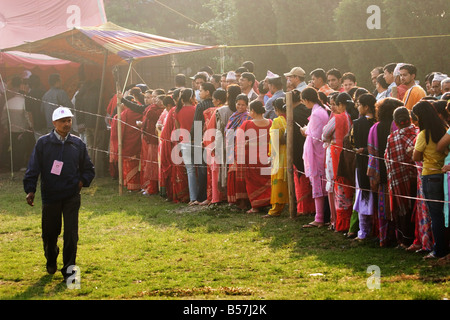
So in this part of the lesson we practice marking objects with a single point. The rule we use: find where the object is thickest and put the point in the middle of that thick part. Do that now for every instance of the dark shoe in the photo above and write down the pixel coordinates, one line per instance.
(351, 235)
(52, 266)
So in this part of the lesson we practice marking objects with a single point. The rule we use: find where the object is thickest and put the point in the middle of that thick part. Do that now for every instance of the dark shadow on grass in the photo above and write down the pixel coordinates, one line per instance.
(37, 290)
(331, 248)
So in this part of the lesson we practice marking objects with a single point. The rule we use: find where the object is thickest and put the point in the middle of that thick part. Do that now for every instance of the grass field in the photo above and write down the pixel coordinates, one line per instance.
(137, 247)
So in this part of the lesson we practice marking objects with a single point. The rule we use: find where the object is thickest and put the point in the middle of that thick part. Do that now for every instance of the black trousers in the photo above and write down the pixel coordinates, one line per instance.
(52, 215)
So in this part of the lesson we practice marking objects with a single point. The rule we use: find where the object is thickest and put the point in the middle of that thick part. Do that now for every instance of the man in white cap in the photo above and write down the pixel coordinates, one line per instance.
(231, 78)
(436, 84)
(276, 88)
(296, 79)
(63, 163)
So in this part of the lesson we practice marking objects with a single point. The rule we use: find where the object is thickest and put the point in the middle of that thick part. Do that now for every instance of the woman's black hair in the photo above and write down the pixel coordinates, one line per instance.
(208, 86)
(257, 106)
(429, 120)
(368, 100)
(233, 90)
(345, 99)
(402, 116)
(186, 95)
(168, 100)
(280, 105)
(176, 95)
(332, 96)
(385, 115)
(385, 109)
(243, 97)
(311, 94)
(220, 95)
(441, 108)
(359, 92)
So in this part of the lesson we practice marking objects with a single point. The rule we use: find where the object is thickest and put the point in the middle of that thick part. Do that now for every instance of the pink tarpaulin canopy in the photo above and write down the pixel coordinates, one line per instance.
(89, 44)
(24, 21)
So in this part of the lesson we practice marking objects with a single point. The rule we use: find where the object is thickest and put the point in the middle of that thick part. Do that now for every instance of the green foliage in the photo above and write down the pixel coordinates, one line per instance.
(247, 23)
(421, 19)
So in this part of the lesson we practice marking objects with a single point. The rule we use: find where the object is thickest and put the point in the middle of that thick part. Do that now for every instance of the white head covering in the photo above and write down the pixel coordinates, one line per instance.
(231, 75)
(271, 75)
(61, 112)
(439, 77)
(397, 69)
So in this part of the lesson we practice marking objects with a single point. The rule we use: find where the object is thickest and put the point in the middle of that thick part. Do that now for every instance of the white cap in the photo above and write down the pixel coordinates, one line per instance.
(61, 112)
(439, 77)
(397, 69)
(271, 75)
(231, 75)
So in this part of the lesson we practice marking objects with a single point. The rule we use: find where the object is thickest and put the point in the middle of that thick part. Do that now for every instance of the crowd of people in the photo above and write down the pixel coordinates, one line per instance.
(367, 163)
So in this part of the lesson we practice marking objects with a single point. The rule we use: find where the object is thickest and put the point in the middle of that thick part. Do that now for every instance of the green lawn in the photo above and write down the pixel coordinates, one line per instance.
(137, 247)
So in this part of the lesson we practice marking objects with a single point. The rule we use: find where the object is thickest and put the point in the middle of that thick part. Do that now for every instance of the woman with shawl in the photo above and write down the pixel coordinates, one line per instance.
(402, 176)
(236, 190)
(376, 169)
(222, 116)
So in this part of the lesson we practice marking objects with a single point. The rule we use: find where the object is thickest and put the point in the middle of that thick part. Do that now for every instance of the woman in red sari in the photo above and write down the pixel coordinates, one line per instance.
(257, 167)
(336, 129)
(131, 149)
(149, 165)
(236, 190)
(214, 195)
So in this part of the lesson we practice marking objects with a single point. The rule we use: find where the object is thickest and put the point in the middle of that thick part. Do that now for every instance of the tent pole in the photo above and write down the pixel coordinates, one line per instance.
(119, 132)
(99, 109)
(9, 122)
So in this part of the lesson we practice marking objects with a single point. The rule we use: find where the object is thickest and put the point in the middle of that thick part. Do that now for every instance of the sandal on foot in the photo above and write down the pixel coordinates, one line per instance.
(313, 224)
(253, 210)
(413, 248)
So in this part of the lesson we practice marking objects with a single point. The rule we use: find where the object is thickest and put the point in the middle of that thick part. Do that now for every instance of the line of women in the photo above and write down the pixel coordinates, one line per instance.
(369, 169)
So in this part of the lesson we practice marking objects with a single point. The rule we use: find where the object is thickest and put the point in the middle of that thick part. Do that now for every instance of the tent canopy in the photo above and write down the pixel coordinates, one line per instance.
(88, 45)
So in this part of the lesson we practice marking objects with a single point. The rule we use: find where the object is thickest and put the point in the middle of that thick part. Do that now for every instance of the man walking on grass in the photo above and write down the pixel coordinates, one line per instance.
(63, 163)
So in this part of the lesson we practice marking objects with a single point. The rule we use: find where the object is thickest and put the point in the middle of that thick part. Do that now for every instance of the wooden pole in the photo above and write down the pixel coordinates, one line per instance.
(290, 154)
(119, 133)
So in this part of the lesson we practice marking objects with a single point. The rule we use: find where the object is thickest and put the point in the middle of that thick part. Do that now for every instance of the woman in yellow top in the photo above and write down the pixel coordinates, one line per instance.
(432, 129)
(280, 193)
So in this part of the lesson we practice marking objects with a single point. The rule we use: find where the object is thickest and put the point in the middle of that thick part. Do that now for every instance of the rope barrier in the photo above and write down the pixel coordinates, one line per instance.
(333, 41)
(210, 149)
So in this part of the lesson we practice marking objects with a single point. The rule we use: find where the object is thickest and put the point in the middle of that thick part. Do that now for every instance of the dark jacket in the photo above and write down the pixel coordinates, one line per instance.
(77, 167)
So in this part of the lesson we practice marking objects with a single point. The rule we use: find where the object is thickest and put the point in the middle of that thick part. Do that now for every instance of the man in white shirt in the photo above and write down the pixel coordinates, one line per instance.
(246, 82)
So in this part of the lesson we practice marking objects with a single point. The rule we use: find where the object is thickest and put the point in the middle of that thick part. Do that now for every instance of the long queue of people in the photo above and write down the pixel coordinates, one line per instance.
(367, 164)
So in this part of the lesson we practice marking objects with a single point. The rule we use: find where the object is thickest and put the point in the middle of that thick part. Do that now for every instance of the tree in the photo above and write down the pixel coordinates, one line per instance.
(352, 22)
(422, 18)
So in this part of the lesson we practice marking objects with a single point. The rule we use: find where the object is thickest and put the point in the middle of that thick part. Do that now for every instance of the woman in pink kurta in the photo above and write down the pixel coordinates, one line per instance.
(314, 152)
